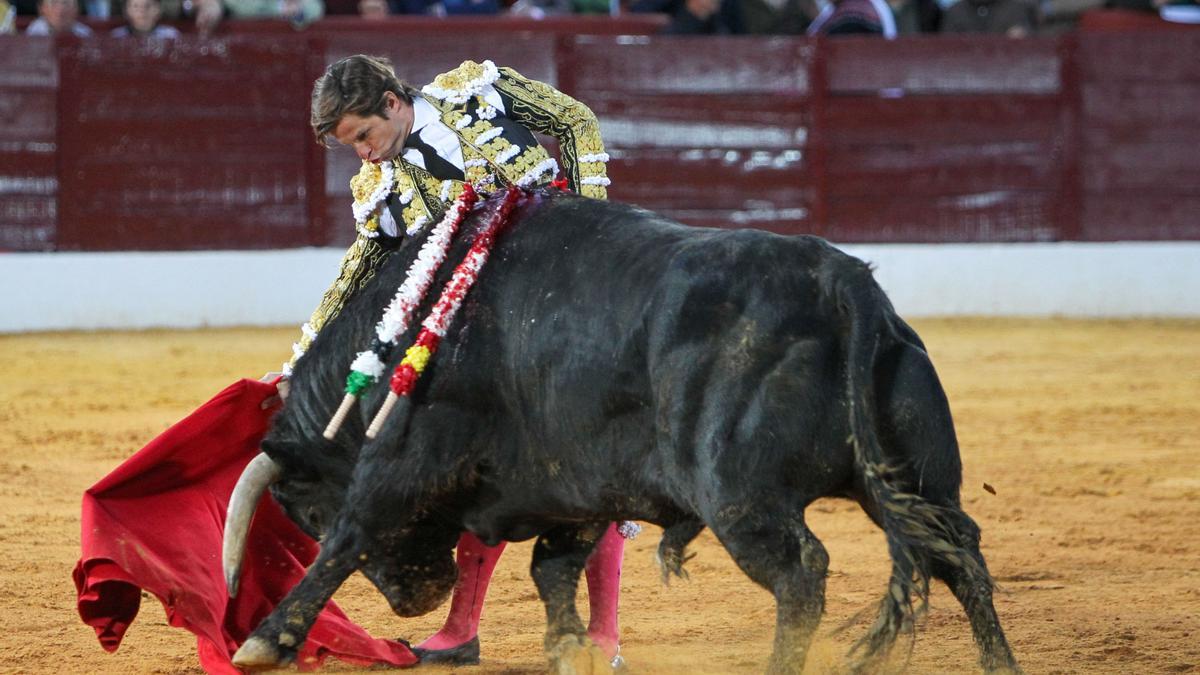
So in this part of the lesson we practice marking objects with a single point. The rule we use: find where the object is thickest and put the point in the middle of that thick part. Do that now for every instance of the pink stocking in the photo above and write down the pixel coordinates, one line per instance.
(476, 562)
(604, 589)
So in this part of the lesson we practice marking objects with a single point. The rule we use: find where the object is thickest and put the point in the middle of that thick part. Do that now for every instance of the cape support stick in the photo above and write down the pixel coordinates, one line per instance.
(368, 365)
(433, 329)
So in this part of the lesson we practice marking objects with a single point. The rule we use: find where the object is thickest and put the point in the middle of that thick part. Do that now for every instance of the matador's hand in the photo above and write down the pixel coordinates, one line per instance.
(281, 386)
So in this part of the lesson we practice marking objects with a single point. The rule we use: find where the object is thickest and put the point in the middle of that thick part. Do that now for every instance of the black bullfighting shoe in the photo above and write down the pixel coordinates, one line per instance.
(466, 654)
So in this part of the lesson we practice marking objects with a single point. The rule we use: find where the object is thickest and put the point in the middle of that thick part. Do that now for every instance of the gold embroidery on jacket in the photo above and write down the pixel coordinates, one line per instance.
(542, 108)
(535, 105)
(431, 191)
(481, 139)
(456, 86)
(364, 184)
(358, 266)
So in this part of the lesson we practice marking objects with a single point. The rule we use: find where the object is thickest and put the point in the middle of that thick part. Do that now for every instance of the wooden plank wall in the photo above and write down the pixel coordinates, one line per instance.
(28, 131)
(204, 144)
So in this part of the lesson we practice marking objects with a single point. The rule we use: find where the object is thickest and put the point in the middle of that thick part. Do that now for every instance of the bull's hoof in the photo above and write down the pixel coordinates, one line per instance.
(257, 654)
(466, 654)
(572, 656)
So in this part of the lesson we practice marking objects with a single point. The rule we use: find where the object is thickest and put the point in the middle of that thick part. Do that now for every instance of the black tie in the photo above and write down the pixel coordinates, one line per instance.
(434, 164)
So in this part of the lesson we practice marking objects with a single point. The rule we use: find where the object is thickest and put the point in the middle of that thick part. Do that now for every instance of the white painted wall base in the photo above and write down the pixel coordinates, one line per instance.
(67, 291)
(1073, 279)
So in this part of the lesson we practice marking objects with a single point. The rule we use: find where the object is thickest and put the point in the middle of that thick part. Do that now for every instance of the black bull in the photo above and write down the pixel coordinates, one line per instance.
(611, 365)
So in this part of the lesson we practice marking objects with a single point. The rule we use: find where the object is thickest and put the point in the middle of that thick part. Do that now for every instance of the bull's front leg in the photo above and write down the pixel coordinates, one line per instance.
(558, 560)
(278, 638)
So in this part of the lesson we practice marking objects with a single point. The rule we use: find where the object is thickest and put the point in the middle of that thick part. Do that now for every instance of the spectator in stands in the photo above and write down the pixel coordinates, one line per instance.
(1014, 18)
(8, 18)
(919, 16)
(1175, 11)
(1060, 15)
(444, 7)
(299, 12)
(206, 14)
(594, 7)
(538, 9)
(732, 17)
(695, 17)
(1180, 11)
(97, 9)
(373, 9)
(855, 17)
(777, 17)
(57, 17)
(1148, 6)
(142, 20)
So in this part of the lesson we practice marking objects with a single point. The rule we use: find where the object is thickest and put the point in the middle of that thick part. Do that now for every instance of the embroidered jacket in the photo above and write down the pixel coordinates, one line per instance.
(474, 123)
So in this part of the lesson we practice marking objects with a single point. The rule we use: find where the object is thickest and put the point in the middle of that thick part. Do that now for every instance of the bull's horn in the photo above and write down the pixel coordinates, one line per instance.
(258, 474)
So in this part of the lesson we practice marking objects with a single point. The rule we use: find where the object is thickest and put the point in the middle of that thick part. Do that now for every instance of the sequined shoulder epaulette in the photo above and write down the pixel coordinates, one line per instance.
(459, 85)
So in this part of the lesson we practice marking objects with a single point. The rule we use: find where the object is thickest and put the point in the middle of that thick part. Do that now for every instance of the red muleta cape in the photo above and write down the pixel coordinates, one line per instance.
(156, 522)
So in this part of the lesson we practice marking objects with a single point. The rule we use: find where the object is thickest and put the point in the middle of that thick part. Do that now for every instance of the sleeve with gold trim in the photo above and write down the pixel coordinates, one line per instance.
(546, 110)
(358, 265)
(368, 186)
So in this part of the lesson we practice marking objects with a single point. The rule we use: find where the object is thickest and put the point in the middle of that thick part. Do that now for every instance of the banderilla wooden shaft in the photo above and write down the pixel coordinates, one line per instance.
(339, 416)
(382, 415)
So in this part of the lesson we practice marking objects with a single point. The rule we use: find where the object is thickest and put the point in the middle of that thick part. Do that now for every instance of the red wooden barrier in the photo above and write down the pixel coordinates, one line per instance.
(949, 139)
(205, 143)
(711, 131)
(191, 145)
(28, 175)
(1140, 158)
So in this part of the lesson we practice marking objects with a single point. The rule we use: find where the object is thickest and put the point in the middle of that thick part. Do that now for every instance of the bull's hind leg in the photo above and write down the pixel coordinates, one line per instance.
(558, 561)
(974, 591)
(778, 552)
(918, 435)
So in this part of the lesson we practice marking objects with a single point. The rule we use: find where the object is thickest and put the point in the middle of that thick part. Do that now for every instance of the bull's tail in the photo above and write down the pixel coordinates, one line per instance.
(917, 531)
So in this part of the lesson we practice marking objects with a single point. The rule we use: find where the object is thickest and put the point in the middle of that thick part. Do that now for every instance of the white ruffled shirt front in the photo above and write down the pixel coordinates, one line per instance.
(429, 127)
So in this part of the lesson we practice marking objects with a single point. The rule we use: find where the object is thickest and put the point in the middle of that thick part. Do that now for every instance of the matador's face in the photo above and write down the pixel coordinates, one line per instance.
(377, 138)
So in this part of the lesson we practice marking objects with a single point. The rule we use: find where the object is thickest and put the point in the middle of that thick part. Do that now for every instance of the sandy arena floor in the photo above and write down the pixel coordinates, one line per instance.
(1087, 431)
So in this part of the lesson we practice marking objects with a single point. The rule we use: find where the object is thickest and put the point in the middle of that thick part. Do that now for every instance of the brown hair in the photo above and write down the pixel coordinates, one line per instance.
(354, 85)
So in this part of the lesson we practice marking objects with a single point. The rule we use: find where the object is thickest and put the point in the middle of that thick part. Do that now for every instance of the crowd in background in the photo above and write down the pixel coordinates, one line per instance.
(887, 18)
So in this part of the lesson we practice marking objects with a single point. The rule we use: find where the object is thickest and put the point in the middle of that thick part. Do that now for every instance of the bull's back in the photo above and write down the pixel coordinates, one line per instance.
(584, 287)
(636, 335)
